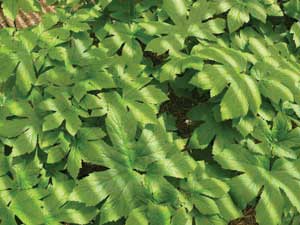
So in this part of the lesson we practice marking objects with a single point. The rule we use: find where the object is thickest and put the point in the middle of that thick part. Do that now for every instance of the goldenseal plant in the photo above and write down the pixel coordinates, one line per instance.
(153, 112)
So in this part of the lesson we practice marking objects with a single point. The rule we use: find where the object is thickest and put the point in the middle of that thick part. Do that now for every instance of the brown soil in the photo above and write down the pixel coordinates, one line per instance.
(23, 19)
(247, 219)
(179, 107)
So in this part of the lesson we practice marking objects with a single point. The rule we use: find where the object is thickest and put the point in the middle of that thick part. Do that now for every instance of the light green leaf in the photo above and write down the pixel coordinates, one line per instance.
(295, 30)
(237, 16)
(257, 10)
(275, 91)
(159, 215)
(205, 205)
(74, 162)
(176, 9)
(234, 96)
(181, 218)
(121, 126)
(137, 216)
(224, 55)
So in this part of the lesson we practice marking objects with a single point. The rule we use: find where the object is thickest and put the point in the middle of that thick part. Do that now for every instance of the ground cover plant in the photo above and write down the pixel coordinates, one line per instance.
(153, 112)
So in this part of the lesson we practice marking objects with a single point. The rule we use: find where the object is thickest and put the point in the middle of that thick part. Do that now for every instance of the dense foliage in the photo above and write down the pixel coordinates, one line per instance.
(159, 112)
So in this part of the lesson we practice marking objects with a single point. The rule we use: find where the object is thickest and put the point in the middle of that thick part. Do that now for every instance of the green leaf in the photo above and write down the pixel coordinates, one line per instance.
(25, 128)
(155, 112)
(121, 126)
(8, 65)
(292, 8)
(176, 9)
(271, 204)
(224, 55)
(137, 216)
(12, 7)
(27, 207)
(63, 111)
(181, 218)
(122, 33)
(216, 220)
(144, 102)
(159, 215)
(257, 10)
(211, 130)
(234, 96)
(77, 213)
(7, 217)
(243, 90)
(295, 30)
(178, 65)
(74, 163)
(205, 205)
(125, 159)
(183, 27)
(237, 16)
(228, 208)
(275, 91)
(257, 175)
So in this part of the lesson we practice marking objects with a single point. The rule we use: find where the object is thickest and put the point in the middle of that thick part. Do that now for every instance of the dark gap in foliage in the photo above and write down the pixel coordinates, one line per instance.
(18, 220)
(207, 61)
(288, 21)
(96, 41)
(10, 175)
(294, 125)
(142, 44)
(248, 218)
(88, 168)
(174, 181)
(94, 92)
(140, 172)
(7, 150)
(93, 121)
(155, 58)
(15, 117)
(202, 155)
(119, 51)
(190, 42)
(179, 107)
